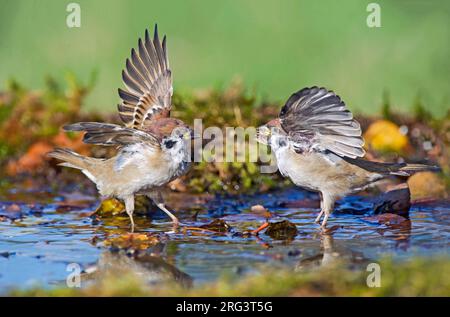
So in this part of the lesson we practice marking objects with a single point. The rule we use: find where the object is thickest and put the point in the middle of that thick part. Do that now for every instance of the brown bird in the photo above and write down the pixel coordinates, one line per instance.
(318, 145)
(154, 149)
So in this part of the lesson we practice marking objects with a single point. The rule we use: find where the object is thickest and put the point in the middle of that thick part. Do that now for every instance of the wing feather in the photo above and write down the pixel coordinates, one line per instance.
(148, 82)
(112, 134)
(317, 119)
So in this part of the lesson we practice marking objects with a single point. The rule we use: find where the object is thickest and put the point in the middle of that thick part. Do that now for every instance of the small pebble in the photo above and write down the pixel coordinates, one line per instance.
(258, 208)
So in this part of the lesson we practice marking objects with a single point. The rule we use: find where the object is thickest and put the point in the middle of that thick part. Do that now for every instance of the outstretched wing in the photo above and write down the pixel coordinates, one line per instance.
(112, 134)
(148, 83)
(317, 119)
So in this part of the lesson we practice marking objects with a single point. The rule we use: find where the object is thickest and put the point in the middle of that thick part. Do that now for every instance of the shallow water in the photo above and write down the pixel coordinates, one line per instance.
(49, 232)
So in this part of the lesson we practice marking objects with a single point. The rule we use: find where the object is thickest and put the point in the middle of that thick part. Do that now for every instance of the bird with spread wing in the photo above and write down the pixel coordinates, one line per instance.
(319, 146)
(153, 148)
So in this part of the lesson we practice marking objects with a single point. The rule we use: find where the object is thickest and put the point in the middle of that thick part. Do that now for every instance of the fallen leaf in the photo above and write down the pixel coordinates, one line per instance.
(135, 241)
(113, 206)
(33, 159)
(110, 206)
(283, 230)
(217, 225)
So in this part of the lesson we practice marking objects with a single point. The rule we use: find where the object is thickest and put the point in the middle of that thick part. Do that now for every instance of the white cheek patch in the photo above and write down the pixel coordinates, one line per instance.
(279, 142)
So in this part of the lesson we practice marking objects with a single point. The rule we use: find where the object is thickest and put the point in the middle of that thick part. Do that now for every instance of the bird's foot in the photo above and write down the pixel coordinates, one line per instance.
(176, 224)
(260, 228)
(175, 221)
(324, 222)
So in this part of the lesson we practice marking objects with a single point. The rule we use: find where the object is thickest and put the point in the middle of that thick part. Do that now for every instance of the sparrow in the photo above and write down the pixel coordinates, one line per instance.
(153, 148)
(318, 144)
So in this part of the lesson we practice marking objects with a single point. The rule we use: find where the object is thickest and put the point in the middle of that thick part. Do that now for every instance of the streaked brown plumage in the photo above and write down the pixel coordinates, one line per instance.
(154, 149)
(318, 145)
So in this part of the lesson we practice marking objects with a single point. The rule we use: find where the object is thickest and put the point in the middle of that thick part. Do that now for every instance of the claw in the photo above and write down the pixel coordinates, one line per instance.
(324, 222)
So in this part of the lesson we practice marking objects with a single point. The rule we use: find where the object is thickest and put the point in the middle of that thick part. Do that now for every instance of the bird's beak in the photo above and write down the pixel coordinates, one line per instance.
(187, 135)
(262, 134)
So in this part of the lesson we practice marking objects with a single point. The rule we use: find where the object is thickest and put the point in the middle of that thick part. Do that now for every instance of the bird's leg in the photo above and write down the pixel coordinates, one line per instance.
(129, 207)
(321, 209)
(319, 216)
(175, 220)
(328, 205)
(324, 221)
(159, 201)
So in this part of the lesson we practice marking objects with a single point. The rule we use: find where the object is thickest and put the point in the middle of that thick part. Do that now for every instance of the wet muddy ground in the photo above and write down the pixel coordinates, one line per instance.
(41, 233)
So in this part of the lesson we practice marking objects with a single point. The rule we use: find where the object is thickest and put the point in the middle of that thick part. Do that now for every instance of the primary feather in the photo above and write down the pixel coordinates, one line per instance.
(111, 134)
(148, 82)
(317, 119)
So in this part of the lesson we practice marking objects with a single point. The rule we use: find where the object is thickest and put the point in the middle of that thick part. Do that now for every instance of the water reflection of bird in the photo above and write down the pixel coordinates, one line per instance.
(330, 254)
(326, 256)
(153, 270)
(154, 148)
(318, 145)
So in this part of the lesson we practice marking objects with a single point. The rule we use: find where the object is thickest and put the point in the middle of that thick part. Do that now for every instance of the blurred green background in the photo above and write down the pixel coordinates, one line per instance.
(275, 47)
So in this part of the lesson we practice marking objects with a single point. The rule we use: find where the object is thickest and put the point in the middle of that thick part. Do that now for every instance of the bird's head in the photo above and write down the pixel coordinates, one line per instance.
(266, 133)
(179, 138)
(183, 132)
(168, 127)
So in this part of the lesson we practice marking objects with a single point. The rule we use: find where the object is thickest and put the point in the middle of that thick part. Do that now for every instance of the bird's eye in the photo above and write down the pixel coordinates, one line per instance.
(169, 143)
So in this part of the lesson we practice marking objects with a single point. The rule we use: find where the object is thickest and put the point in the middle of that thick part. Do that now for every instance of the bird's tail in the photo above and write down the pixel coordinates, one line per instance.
(410, 169)
(75, 160)
(70, 158)
(397, 169)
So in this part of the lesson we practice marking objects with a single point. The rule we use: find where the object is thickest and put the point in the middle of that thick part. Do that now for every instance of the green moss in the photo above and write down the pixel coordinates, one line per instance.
(36, 115)
(39, 115)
